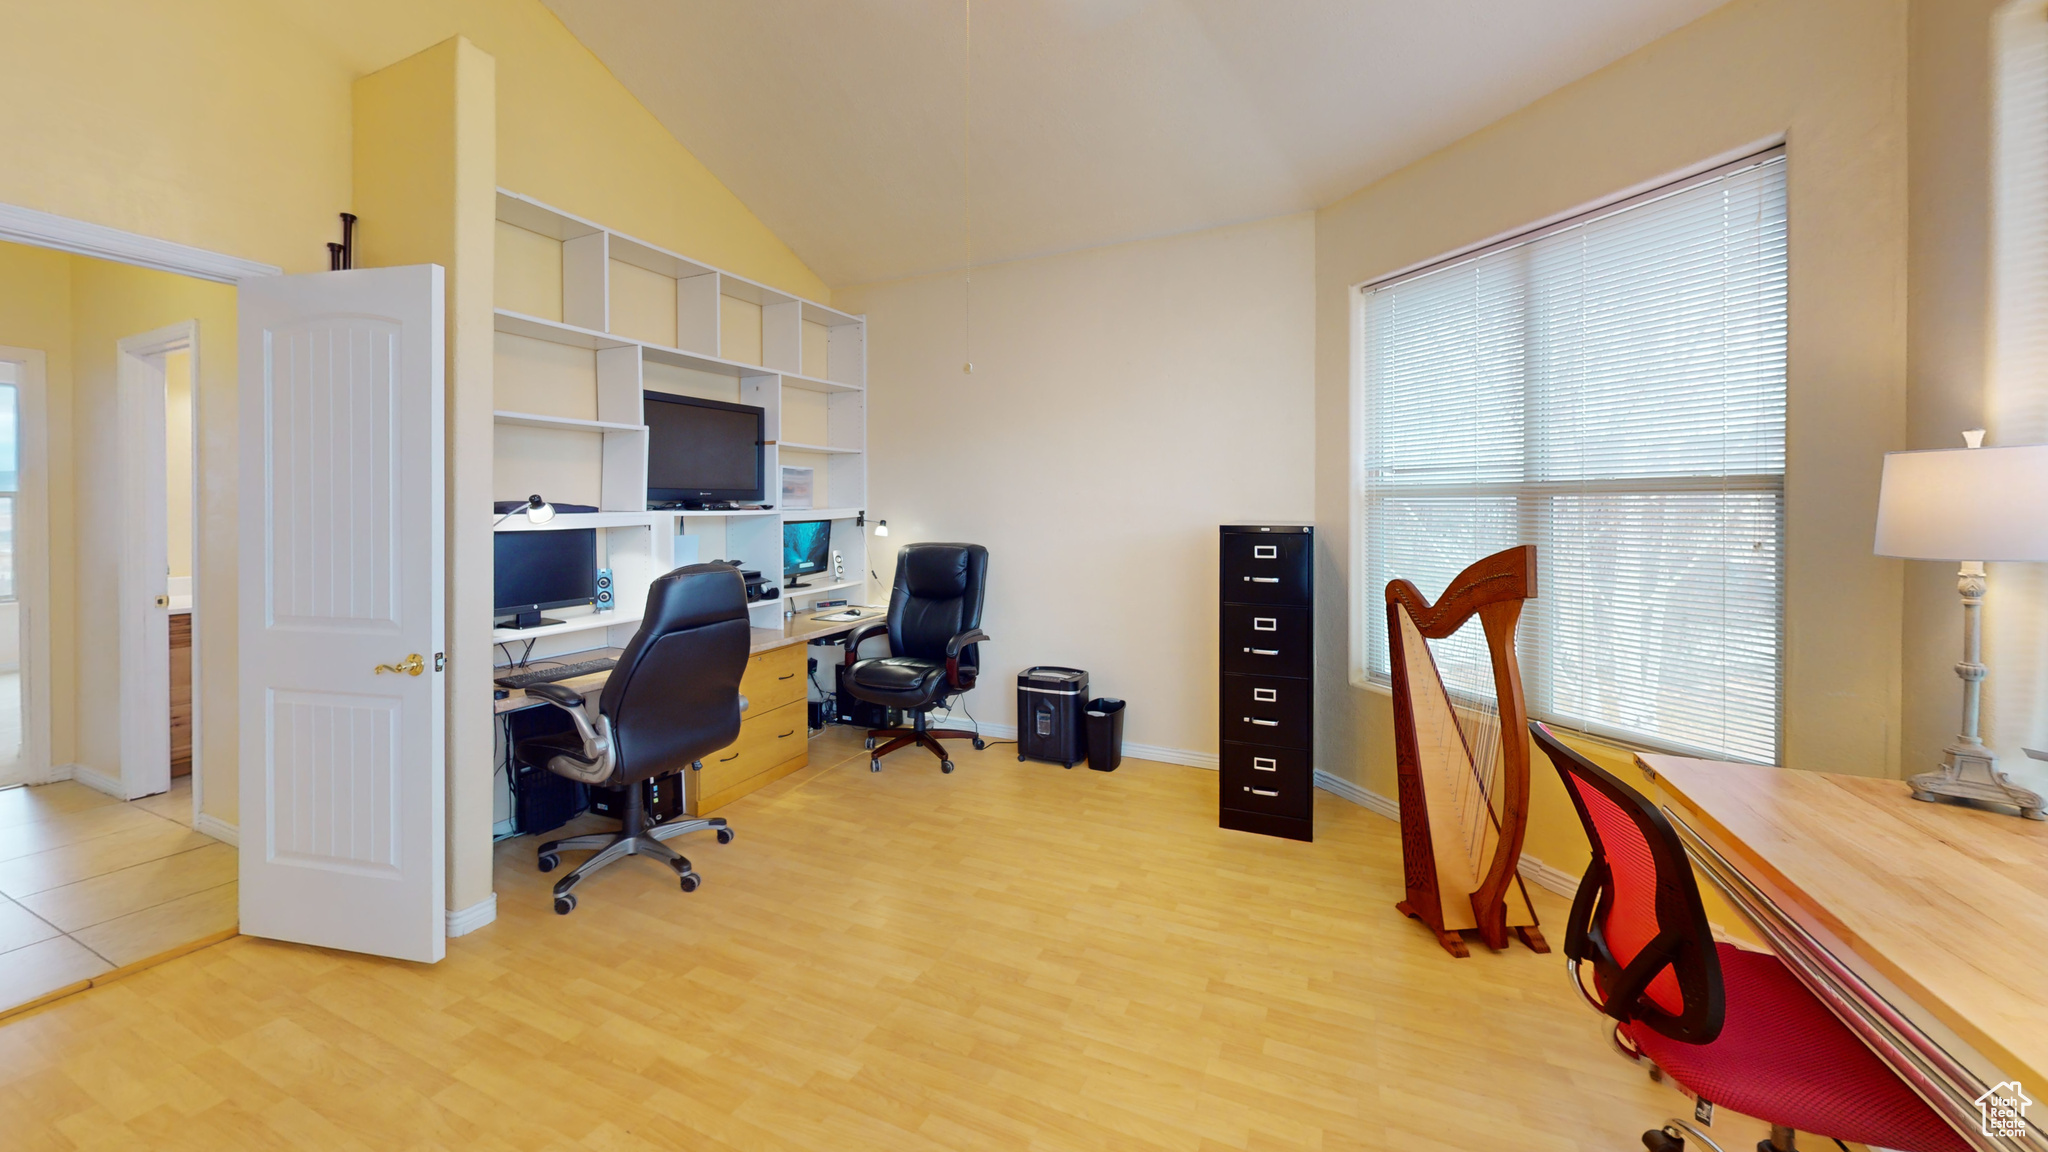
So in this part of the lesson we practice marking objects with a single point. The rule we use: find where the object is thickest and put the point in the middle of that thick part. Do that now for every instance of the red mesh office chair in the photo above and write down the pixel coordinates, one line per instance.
(1734, 1027)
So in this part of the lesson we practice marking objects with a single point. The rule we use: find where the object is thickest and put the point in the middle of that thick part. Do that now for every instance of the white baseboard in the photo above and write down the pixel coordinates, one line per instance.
(1533, 870)
(1132, 751)
(217, 828)
(98, 781)
(1363, 797)
(463, 921)
(50, 775)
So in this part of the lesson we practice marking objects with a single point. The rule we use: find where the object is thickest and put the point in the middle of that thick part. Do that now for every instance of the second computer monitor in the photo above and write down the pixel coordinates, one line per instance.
(546, 569)
(806, 548)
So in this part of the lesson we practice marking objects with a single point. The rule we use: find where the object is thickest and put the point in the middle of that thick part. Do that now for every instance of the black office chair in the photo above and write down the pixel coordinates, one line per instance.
(934, 625)
(673, 699)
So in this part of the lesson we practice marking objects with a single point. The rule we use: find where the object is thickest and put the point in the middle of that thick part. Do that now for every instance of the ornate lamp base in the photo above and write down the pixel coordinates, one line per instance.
(1971, 774)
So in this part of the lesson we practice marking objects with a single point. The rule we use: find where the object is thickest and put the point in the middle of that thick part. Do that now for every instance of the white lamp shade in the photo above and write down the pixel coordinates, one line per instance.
(1965, 504)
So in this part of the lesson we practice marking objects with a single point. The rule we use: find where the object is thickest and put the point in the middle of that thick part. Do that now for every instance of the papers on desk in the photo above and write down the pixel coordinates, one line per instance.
(839, 616)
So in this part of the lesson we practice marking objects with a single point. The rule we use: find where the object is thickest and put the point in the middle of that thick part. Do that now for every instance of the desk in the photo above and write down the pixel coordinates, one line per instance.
(1924, 926)
(802, 629)
(773, 740)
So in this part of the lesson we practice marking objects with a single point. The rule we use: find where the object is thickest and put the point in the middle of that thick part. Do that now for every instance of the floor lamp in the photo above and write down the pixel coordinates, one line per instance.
(1984, 504)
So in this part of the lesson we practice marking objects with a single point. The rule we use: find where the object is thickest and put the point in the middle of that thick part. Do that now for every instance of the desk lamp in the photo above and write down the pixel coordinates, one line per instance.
(538, 511)
(1986, 504)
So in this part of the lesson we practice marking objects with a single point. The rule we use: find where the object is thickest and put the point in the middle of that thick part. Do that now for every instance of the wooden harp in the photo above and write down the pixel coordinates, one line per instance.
(1462, 752)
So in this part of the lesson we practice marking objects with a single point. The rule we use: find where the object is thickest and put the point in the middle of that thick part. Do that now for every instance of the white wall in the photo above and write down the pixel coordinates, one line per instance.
(1125, 401)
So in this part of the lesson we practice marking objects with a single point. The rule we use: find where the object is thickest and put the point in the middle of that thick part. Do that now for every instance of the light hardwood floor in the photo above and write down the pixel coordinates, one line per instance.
(1011, 957)
(90, 885)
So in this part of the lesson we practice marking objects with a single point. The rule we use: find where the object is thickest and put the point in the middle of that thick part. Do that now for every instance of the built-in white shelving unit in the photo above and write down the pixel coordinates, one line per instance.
(614, 316)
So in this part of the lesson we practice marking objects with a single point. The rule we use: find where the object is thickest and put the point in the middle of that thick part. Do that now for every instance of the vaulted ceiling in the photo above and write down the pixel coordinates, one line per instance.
(843, 123)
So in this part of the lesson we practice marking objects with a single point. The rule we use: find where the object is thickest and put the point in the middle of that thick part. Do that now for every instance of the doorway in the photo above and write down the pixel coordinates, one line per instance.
(24, 577)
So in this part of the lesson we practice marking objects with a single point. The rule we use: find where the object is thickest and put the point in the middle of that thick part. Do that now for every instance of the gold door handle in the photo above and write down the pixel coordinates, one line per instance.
(412, 665)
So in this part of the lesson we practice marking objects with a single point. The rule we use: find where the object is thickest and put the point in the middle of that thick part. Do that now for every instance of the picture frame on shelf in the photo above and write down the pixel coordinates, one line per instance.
(796, 487)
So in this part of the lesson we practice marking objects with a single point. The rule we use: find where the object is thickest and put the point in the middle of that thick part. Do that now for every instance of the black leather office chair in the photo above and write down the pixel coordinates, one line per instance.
(934, 625)
(673, 699)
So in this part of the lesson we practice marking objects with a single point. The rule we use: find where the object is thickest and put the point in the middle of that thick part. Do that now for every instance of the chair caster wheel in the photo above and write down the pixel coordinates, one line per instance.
(979, 744)
(945, 765)
(725, 835)
(1070, 765)
(1020, 757)
(1658, 1140)
(549, 861)
(690, 880)
(565, 904)
(871, 743)
(874, 765)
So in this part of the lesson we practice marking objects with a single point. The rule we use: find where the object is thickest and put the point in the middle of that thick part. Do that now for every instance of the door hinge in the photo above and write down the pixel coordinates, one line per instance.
(440, 661)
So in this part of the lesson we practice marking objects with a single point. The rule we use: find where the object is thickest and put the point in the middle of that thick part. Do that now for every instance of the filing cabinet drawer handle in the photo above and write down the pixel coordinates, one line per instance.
(724, 759)
(787, 735)
(1261, 791)
(1263, 651)
(1262, 579)
(1262, 723)
(1265, 764)
(1265, 624)
(1265, 551)
(1266, 695)
(791, 676)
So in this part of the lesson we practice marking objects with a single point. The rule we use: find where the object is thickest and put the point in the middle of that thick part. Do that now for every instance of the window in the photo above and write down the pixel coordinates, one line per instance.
(10, 474)
(1611, 389)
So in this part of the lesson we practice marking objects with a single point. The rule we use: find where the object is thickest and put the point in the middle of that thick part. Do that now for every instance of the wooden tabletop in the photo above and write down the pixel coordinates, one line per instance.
(805, 628)
(1950, 904)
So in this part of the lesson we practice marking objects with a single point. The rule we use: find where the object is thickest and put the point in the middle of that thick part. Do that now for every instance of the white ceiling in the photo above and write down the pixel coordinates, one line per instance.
(839, 122)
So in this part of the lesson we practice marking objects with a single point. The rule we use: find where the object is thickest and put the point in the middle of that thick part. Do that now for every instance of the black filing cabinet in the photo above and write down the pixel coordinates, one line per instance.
(1267, 703)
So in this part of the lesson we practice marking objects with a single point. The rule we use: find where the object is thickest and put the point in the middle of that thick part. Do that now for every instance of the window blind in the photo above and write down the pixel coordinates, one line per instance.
(1611, 389)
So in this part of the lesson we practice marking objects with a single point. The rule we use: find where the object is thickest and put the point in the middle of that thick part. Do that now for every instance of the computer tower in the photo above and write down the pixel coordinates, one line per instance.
(1050, 701)
(541, 800)
(860, 713)
(662, 796)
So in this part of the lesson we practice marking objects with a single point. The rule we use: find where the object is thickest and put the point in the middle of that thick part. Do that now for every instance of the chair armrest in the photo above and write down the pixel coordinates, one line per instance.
(558, 694)
(860, 632)
(971, 636)
(954, 648)
(597, 745)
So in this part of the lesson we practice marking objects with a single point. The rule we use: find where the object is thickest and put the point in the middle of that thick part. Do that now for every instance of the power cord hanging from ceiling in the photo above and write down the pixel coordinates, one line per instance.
(967, 178)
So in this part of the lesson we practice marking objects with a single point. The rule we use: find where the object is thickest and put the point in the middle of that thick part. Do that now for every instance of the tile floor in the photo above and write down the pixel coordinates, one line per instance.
(89, 884)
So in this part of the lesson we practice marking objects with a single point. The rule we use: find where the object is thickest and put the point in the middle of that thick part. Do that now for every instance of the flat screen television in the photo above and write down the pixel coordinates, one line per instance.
(534, 571)
(805, 548)
(703, 451)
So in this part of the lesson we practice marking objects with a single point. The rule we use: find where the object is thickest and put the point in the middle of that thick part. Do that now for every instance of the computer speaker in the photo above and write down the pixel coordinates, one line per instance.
(605, 599)
(838, 565)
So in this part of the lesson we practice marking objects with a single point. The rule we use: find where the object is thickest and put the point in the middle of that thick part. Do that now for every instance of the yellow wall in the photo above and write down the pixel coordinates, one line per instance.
(109, 303)
(425, 154)
(226, 124)
(1828, 76)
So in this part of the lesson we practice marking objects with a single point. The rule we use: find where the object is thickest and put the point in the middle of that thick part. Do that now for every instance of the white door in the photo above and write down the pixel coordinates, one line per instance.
(342, 763)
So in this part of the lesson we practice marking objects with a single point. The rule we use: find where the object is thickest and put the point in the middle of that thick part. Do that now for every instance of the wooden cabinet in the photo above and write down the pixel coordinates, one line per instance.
(181, 694)
(774, 733)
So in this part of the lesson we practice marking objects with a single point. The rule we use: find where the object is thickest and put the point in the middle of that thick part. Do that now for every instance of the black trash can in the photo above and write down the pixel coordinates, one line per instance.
(1105, 734)
(1049, 714)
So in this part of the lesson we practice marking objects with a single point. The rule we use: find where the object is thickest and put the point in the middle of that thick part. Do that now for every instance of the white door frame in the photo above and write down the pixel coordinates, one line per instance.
(143, 614)
(41, 229)
(32, 559)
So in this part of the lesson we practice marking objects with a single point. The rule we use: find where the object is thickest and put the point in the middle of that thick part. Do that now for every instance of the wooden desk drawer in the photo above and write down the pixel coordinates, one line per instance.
(771, 745)
(774, 678)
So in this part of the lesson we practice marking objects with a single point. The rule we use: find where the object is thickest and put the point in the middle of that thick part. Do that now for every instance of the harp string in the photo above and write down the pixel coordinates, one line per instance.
(1466, 670)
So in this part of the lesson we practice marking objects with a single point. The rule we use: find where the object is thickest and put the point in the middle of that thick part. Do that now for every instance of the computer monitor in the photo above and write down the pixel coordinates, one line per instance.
(540, 570)
(806, 548)
(702, 451)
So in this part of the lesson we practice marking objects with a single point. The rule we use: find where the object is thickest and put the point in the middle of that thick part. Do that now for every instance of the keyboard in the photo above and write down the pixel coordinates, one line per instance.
(551, 675)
